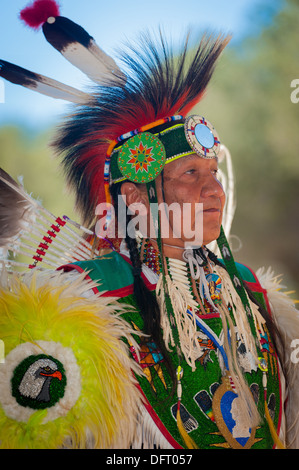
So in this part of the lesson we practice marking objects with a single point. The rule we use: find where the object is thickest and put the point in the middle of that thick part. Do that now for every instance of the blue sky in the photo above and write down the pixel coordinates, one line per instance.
(110, 23)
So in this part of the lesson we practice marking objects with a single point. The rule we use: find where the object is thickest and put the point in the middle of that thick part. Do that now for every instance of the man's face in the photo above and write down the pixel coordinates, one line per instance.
(187, 181)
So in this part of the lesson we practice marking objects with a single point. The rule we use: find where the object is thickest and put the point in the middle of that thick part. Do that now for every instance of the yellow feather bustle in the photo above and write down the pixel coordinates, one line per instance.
(100, 403)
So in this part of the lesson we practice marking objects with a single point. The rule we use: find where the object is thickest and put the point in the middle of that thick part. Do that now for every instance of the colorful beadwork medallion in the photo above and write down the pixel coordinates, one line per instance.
(142, 158)
(38, 381)
(202, 137)
(225, 410)
(214, 283)
(39, 376)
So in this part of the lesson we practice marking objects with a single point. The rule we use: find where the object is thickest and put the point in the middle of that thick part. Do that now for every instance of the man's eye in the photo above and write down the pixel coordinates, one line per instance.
(190, 172)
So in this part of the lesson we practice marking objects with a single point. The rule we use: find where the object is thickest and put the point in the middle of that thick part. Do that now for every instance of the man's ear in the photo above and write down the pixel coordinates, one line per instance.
(133, 194)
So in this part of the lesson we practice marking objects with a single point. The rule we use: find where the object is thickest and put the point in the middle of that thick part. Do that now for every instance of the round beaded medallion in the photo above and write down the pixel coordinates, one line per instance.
(38, 381)
(39, 376)
(202, 137)
(142, 158)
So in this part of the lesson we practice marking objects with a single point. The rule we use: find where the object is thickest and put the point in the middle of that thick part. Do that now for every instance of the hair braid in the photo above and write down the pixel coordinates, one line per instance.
(146, 300)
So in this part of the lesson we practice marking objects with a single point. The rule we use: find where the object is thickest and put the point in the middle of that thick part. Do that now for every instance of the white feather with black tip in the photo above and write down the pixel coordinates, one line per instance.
(41, 84)
(81, 50)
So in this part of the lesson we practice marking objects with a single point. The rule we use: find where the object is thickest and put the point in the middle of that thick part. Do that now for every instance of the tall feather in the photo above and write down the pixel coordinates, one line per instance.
(160, 83)
(40, 83)
(14, 208)
(80, 49)
(71, 40)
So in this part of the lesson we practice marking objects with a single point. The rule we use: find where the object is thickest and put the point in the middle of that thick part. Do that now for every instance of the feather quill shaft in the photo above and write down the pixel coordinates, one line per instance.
(30, 230)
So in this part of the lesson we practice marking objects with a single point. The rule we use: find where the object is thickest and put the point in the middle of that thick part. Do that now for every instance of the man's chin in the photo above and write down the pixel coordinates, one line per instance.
(211, 235)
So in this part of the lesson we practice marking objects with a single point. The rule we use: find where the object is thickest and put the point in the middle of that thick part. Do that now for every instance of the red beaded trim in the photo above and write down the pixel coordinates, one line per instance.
(42, 248)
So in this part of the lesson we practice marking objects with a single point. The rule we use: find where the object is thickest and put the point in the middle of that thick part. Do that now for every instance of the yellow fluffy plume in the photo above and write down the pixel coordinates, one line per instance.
(100, 405)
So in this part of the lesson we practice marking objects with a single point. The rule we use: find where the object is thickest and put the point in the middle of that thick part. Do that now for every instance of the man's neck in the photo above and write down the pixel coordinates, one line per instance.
(169, 250)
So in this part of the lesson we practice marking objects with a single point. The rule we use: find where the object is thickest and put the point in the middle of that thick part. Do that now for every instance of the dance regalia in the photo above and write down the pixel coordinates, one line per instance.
(158, 423)
(142, 419)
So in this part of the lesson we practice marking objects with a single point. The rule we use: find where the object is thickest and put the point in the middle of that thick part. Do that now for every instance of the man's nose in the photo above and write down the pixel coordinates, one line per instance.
(212, 187)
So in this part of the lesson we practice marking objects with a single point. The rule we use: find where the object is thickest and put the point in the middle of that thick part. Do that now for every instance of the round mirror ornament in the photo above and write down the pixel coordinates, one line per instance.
(202, 137)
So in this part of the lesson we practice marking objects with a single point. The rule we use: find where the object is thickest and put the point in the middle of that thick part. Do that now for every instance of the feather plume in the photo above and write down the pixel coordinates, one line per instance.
(41, 84)
(81, 50)
(160, 83)
(71, 40)
(14, 208)
(286, 317)
(227, 180)
(101, 402)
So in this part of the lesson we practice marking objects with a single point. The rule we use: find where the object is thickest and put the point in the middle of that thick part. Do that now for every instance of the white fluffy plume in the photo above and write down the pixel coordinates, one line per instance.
(286, 317)
(15, 208)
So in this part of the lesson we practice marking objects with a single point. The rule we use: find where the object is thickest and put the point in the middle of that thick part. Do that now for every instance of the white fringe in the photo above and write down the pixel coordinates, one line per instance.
(186, 325)
(181, 298)
(231, 297)
(148, 435)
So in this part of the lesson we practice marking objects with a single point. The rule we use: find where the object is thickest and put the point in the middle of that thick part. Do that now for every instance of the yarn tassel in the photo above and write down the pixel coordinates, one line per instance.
(264, 368)
(272, 429)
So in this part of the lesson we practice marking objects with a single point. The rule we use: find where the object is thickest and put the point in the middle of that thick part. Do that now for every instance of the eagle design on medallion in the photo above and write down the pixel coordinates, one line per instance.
(38, 381)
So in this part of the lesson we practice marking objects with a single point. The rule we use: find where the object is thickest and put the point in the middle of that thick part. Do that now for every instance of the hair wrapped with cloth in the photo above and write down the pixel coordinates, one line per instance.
(159, 82)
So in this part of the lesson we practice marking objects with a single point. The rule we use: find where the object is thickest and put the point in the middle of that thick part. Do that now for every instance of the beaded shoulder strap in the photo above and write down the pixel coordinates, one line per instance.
(232, 270)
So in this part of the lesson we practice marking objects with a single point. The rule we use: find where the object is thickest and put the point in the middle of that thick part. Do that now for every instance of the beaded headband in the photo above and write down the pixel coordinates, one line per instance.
(143, 154)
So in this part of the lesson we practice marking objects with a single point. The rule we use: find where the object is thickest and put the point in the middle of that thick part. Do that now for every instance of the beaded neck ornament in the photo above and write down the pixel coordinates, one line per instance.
(188, 297)
(150, 256)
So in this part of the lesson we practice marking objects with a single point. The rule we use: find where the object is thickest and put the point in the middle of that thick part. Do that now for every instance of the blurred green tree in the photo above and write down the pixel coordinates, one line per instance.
(29, 157)
(251, 105)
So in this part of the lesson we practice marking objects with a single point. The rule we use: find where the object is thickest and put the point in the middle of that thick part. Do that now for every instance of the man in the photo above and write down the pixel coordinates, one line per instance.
(209, 370)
